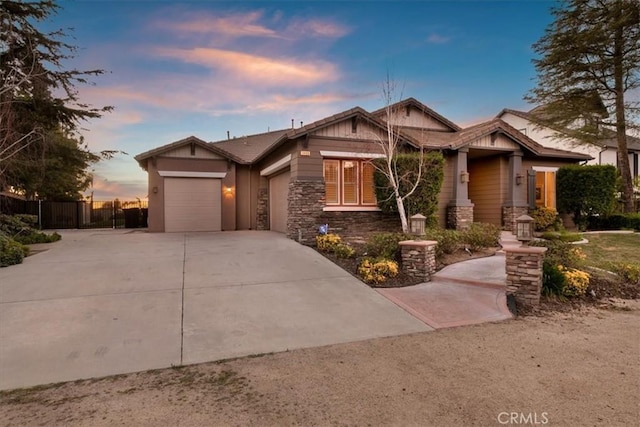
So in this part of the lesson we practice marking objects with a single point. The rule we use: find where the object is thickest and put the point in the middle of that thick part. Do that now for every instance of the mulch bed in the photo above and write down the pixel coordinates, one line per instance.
(401, 280)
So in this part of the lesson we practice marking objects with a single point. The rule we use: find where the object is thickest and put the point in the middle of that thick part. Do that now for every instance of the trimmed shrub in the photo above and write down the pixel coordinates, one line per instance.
(544, 218)
(344, 251)
(328, 242)
(585, 191)
(480, 235)
(614, 222)
(448, 240)
(375, 272)
(11, 252)
(385, 245)
(20, 228)
(424, 199)
(561, 253)
(565, 237)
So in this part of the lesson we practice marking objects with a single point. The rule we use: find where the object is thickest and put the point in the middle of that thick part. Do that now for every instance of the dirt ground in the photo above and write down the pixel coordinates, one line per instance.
(563, 369)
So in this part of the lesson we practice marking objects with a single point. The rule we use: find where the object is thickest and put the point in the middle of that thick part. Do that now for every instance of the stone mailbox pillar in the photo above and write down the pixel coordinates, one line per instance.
(419, 258)
(524, 274)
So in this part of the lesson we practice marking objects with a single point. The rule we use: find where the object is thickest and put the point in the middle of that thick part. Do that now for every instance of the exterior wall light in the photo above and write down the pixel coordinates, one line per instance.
(228, 191)
(464, 177)
(524, 229)
(155, 190)
(519, 179)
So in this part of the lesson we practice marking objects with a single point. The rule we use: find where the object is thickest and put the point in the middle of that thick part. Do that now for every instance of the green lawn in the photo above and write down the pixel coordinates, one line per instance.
(605, 248)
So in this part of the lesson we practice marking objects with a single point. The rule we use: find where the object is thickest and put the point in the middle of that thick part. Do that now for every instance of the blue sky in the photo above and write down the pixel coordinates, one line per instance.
(203, 68)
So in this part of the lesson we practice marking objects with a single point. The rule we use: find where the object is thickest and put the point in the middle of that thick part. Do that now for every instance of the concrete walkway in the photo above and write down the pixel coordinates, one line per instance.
(464, 293)
(99, 303)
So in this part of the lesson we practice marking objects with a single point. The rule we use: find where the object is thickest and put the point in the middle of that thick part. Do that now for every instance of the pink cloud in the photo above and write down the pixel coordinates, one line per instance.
(257, 69)
(318, 28)
(103, 189)
(235, 25)
(248, 25)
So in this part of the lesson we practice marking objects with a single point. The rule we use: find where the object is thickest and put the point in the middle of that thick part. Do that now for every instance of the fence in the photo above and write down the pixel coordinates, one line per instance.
(80, 214)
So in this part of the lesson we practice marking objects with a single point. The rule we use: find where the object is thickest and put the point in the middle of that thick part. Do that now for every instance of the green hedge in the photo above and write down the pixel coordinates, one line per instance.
(585, 191)
(614, 222)
(425, 199)
(11, 252)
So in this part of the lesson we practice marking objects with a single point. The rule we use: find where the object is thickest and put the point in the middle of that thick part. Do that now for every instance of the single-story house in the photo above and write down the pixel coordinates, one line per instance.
(606, 153)
(293, 180)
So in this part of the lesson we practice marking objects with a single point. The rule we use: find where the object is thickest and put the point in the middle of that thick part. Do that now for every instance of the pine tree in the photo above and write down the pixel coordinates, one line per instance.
(39, 104)
(589, 63)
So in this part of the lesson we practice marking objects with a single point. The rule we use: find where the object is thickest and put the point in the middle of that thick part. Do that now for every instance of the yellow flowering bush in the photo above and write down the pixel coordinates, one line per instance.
(577, 254)
(376, 272)
(629, 273)
(576, 281)
(328, 242)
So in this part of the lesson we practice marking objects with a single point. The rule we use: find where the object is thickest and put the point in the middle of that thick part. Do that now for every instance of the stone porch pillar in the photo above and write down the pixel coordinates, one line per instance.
(460, 208)
(419, 258)
(524, 274)
(516, 203)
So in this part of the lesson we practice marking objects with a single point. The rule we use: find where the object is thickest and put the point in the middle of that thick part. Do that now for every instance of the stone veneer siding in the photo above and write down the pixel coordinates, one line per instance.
(509, 215)
(524, 274)
(262, 209)
(306, 202)
(419, 258)
(360, 224)
(459, 217)
(306, 199)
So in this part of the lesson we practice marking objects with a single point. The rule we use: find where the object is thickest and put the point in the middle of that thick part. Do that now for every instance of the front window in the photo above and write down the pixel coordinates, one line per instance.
(546, 189)
(349, 183)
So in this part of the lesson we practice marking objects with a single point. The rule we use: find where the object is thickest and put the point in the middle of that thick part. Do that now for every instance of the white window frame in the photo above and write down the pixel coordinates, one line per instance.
(342, 205)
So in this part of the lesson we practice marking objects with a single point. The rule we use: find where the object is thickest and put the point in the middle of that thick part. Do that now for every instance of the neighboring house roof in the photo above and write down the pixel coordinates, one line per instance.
(246, 149)
(633, 143)
(420, 106)
(143, 157)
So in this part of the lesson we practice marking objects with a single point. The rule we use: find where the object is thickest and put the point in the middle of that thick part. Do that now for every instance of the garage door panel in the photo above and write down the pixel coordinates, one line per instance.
(192, 204)
(278, 201)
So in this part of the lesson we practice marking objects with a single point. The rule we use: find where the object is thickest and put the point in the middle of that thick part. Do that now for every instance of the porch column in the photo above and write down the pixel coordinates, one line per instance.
(460, 208)
(516, 203)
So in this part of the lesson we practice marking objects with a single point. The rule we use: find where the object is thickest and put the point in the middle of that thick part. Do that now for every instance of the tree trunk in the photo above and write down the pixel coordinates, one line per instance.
(401, 211)
(621, 127)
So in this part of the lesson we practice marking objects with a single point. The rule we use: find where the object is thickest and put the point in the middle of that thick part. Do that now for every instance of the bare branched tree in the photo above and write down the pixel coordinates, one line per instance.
(391, 146)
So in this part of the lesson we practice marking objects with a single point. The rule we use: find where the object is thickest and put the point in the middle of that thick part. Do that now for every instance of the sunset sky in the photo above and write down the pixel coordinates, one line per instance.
(203, 68)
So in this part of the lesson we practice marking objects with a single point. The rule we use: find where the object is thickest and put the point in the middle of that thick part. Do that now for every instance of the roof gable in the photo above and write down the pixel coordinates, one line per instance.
(181, 148)
(412, 113)
(474, 135)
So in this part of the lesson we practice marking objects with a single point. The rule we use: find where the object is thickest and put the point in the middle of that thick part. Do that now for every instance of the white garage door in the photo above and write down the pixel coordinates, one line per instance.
(278, 205)
(192, 204)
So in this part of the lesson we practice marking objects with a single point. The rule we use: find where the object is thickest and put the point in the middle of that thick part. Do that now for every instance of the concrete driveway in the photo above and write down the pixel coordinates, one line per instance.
(99, 303)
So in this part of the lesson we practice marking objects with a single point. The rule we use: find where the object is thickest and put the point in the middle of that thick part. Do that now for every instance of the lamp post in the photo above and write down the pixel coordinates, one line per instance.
(524, 229)
(417, 224)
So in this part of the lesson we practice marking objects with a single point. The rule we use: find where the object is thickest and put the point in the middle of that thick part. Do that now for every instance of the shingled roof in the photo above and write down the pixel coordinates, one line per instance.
(247, 149)
(472, 133)
(143, 157)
